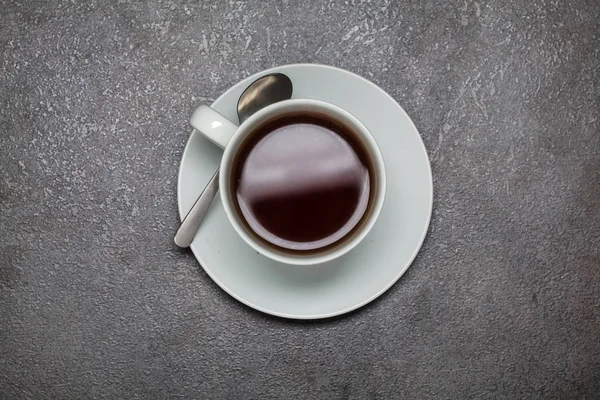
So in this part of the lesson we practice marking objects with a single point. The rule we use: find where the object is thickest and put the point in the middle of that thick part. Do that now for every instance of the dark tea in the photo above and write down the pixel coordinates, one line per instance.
(302, 181)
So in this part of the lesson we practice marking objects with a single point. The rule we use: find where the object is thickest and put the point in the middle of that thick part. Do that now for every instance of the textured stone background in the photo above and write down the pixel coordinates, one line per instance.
(503, 300)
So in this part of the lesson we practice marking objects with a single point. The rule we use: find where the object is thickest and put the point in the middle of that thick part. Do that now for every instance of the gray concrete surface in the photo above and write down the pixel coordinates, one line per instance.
(503, 300)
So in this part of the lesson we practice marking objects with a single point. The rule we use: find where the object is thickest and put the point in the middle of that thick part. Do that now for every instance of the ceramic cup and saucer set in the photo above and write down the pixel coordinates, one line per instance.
(324, 199)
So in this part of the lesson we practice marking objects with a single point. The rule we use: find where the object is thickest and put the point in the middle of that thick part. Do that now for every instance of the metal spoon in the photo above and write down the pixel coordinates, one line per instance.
(262, 92)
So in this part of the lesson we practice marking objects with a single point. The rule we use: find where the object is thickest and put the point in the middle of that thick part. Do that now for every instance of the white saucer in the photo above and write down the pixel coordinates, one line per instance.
(345, 284)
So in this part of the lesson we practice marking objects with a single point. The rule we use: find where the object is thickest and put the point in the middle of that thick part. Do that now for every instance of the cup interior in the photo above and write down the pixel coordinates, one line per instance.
(247, 131)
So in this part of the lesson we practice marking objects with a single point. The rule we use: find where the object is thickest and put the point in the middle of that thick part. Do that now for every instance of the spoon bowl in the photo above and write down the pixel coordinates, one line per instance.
(263, 92)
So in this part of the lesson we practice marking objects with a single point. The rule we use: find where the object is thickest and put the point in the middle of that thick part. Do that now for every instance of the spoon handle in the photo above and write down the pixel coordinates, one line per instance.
(186, 232)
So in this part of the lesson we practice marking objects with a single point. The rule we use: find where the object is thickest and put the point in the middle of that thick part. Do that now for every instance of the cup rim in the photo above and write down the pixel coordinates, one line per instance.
(336, 251)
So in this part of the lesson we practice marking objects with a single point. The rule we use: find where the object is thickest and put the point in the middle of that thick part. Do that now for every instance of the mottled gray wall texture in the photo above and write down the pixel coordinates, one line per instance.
(96, 301)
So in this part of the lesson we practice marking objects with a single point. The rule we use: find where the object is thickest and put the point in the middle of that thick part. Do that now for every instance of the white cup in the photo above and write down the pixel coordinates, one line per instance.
(229, 136)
